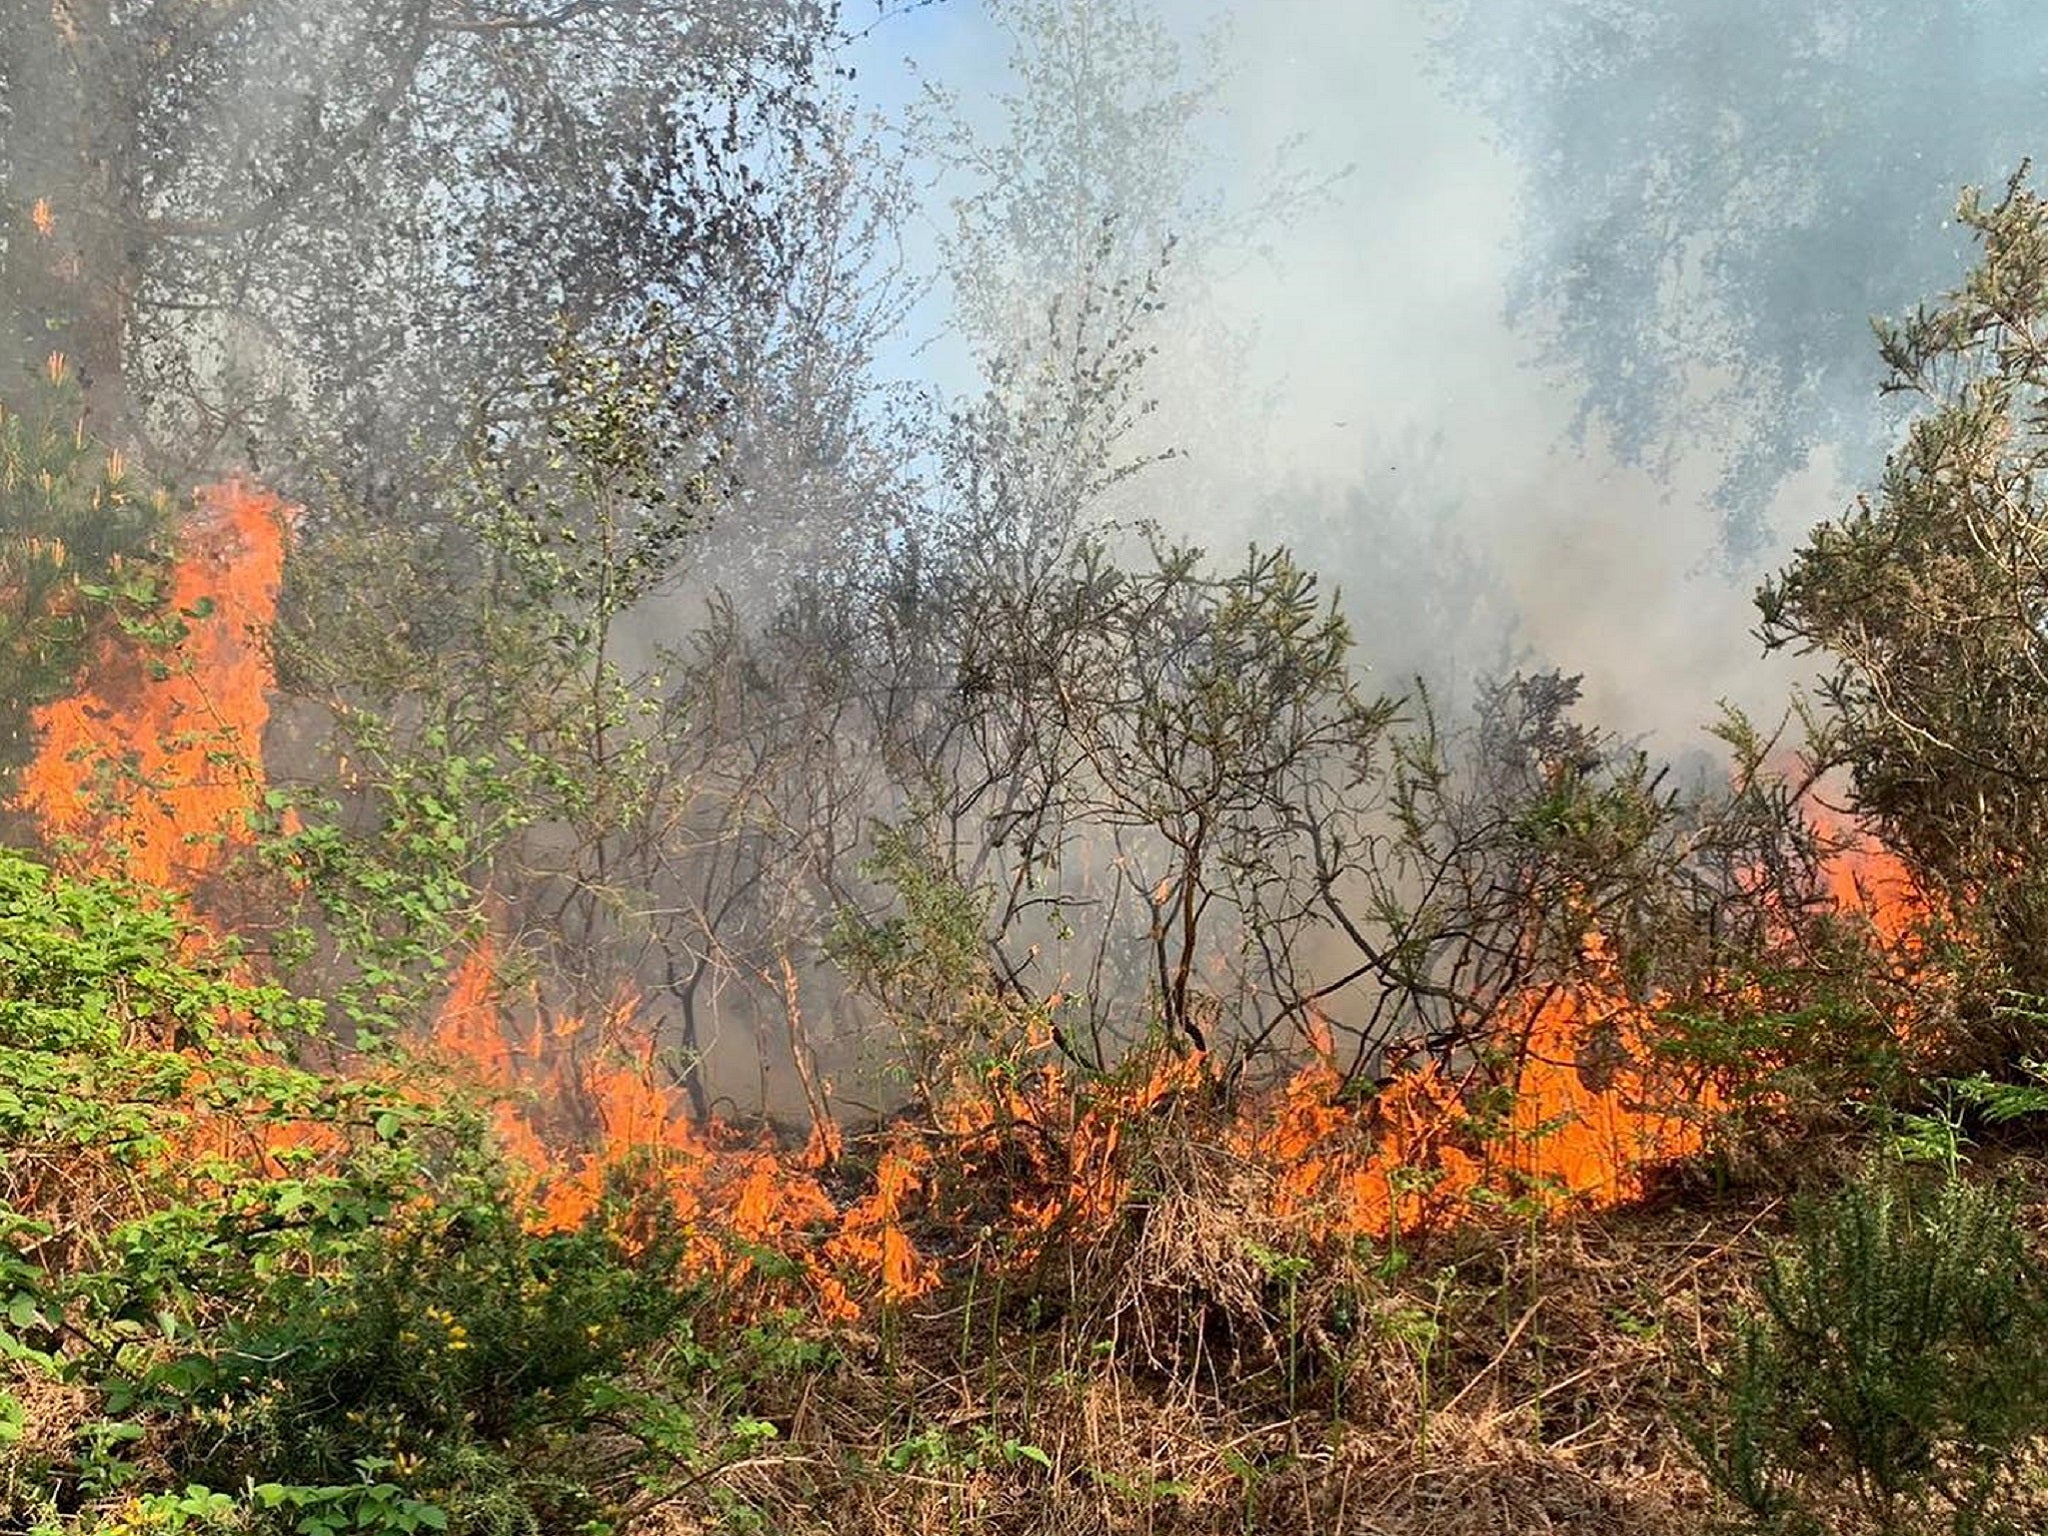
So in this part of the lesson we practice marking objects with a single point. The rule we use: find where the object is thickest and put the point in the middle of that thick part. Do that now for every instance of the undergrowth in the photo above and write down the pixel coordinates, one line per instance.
(252, 1283)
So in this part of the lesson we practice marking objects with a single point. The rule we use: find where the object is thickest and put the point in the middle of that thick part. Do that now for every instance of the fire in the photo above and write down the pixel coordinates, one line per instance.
(1588, 1111)
(1584, 1113)
(584, 1109)
(1867, 878)
(154, 769)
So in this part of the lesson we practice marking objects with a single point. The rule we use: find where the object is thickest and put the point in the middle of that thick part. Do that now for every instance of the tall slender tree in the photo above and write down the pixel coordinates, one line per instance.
(1718, 197)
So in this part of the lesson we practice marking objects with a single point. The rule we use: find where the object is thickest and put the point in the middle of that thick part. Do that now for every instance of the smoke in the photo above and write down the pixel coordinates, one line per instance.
(1505, 314)
(1537, 368)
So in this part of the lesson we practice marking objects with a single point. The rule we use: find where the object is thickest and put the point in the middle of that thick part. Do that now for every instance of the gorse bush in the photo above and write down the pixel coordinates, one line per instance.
(1896, 1372)
(452, 1345)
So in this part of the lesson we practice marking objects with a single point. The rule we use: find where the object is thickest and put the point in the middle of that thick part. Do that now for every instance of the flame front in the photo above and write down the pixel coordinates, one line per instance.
(1587, 1114)
(155, 768)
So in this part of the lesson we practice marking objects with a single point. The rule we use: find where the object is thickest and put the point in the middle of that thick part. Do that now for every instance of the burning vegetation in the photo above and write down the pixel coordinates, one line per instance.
(153, 770)
(1630, 987)
(995, 1028)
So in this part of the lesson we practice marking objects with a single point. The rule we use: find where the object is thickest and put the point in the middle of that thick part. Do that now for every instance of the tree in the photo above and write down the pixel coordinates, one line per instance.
(1718, 197)
(290, 228)
(472, 672)
(1217, 726)
(1085, 248)
(819, 452)
(1932, 599)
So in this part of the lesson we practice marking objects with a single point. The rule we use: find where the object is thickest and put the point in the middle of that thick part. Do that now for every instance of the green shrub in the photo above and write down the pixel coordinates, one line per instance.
(1928, 596)
(1897, 1369)
(254, 1294)
(452, 1347)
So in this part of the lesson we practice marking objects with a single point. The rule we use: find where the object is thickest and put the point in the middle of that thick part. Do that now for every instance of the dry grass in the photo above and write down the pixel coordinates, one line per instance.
(1186, 1278)
(1198, 1371)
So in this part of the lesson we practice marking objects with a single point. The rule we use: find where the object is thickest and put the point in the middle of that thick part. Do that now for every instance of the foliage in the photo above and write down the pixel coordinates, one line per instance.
(1898, 1363)
(926, 963)
(1719, 197)
(282, 1296)
(1929, 600)
(393, 881)
(1153, 748)
(449, 1344)
(586, 515)
(1220, 716)
(205, 184)
(1170, 786)
(1520, 833)
(470, 675)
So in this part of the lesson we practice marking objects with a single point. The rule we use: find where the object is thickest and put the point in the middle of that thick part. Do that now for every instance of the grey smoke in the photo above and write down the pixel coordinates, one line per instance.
(1447, 377)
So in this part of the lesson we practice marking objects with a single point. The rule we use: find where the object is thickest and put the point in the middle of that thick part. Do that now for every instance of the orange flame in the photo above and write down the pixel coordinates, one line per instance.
(1588, 1113)
(1570, 1106)
(1585, 1114)
(1867, 878)
(735, 1199)
(154, 769)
